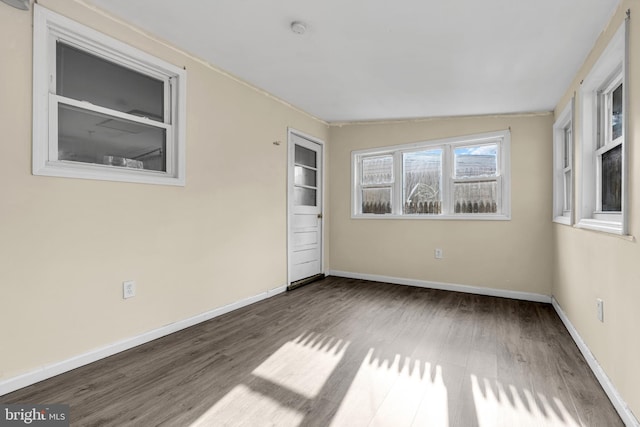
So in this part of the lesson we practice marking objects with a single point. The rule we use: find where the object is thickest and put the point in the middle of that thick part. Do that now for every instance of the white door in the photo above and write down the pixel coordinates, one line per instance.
(305, 207)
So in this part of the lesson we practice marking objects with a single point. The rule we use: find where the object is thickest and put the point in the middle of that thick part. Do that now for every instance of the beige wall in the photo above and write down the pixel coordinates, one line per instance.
(66, 245)
(592, 265)
(509, 255)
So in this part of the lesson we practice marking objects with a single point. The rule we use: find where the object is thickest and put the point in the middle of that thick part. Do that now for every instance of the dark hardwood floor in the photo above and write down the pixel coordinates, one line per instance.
(350, 353)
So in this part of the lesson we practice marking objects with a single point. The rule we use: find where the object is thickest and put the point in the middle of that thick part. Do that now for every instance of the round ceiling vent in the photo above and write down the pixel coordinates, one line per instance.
(298, 27)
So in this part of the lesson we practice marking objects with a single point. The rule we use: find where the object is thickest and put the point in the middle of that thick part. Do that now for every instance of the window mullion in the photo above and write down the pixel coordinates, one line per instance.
(447, 180)
(398, 180)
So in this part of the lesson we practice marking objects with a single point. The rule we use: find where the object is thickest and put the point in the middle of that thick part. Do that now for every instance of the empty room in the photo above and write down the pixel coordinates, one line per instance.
(292, 213)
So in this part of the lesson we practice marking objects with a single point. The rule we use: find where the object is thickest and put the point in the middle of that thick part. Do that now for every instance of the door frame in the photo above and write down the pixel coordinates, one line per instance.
(290, 160)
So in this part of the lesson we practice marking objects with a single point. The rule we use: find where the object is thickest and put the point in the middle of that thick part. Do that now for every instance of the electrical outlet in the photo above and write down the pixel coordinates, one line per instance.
(128, 289)
(600, 309)
(438, 254)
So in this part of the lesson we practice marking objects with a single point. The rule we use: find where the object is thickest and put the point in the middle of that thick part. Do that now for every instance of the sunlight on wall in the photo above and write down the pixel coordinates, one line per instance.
(303, 365)
(498, 404)
(395, 393)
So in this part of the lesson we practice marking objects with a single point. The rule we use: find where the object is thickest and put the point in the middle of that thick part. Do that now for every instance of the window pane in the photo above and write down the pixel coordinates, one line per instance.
(304, 176)
(376, 200)
(616, 113)
(475, 197)
(305, 156)
(86, 77)
(567, 191)
(612, 180)
(89, 137)
(377, 170)
(479, 160)
(422, 182)
(567, 146)
(304, 196)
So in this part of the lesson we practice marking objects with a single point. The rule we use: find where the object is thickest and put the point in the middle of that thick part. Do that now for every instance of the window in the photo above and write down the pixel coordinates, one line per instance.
(609, 151)
(102, 109)
(455, 178)
(563, 166)
(603, 144)
(377, 184)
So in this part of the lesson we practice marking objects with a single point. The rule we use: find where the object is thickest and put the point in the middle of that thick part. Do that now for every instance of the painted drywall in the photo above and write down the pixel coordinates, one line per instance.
(590, 265)
(66, 245)
(511, 255)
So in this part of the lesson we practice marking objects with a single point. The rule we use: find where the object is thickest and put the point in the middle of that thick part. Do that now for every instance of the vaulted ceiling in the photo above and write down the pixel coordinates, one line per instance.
(380, 59)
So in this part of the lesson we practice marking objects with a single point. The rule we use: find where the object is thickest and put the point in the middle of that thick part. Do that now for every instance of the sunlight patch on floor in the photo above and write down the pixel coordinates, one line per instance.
(303, 366)
(499, 404)
(393, 393)
(434, 407)
(243, 406)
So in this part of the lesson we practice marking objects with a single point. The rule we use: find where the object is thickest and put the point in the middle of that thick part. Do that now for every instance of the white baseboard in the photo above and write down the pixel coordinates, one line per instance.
(526, 296)
(48, 371)
(621, 406)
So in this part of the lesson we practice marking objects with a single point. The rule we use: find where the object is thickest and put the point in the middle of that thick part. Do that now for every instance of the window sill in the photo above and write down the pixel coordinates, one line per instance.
(565, 220)
(106, 173)
(609, 227)
(477, 217)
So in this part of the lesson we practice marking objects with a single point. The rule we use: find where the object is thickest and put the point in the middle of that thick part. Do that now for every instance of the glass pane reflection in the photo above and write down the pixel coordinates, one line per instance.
(474, 161)
(421, 182)
(475, 197)
(616, 113)
(304, 176)
(612, 180)
(304, 196)
(90, 137)
(305, 156)
(376, 201)
(117, 88)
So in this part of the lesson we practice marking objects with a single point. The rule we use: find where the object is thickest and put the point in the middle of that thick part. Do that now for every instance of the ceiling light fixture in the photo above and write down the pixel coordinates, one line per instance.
(298, 27)
(18, 4)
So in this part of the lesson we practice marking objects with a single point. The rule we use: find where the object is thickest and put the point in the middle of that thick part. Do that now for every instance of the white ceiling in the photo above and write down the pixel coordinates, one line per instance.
(381, 59)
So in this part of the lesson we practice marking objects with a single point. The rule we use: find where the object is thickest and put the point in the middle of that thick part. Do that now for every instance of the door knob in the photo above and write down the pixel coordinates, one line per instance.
(320, 216)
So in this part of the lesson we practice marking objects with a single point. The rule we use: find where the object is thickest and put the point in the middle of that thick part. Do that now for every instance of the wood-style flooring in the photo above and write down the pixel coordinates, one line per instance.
(346, 352)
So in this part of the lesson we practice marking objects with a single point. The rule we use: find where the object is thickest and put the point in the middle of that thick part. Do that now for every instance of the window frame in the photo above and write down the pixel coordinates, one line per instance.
(562, 149)
(610, 70)
(448, 178)
(49, 27)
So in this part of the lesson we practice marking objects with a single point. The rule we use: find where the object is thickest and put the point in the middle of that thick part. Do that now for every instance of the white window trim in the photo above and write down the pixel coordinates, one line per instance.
(503, 138)
(49, 25)
(611, 62)
(565, 120)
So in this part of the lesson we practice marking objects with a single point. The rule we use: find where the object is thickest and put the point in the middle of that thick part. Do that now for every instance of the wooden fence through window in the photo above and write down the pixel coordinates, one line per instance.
(432, 208)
